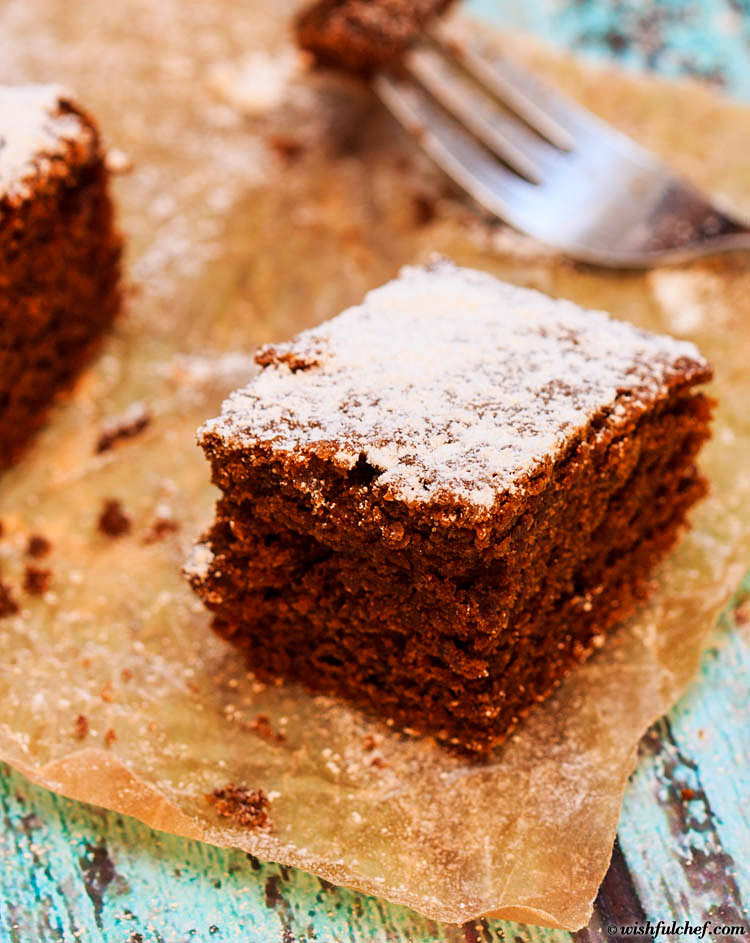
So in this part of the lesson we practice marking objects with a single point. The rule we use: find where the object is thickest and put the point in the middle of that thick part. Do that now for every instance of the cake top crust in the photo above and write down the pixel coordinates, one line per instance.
(451, 384)
(34, 129)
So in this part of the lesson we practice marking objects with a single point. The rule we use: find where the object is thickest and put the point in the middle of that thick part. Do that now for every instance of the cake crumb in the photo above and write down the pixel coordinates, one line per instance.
(378, 762)
(126, 674)
(424, 209)
(742, 613)
(117, 161)
(8, 605)
(38, 546)
(261, 725)
(126, 427)
(106, 693)
(160, 528)
(113, 521)
(369, 743)
(109, 738)
(36, 580)
(286, 146)
(81, 729)
(247, 807)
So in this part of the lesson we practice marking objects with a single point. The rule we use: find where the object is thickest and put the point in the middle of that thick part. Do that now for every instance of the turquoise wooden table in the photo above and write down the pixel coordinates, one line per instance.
(71, 872)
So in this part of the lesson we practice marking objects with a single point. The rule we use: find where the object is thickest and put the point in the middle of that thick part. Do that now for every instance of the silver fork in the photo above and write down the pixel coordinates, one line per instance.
(548, 166)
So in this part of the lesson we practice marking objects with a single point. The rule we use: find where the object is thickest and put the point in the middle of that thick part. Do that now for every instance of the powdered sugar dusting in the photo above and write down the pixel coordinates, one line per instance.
(199, 562)
(450, 381)
(259, 82)
(31, 128)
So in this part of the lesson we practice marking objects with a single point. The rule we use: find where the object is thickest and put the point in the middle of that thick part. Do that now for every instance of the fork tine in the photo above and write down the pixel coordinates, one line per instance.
(564, 123)
(509, 138)
(551, 115)
(492, 185)
(609, 201)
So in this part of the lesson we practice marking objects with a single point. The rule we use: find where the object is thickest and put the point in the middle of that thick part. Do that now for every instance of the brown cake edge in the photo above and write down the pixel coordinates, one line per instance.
(61, 252)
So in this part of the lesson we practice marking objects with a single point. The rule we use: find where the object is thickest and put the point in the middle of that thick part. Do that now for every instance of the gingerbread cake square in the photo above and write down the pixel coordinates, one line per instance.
(440, 501)
(59, 253)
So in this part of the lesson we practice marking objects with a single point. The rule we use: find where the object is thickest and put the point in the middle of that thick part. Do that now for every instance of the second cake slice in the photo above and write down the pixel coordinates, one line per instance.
(440, 501)
(59, 254)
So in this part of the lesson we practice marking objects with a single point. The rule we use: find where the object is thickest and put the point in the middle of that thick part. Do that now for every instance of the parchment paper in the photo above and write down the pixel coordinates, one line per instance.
(241, 230)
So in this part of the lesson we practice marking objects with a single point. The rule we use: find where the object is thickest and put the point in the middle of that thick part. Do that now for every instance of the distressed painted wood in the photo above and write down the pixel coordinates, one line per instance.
(71, 872)
(686, 816)
(74, 872)
(708, 39)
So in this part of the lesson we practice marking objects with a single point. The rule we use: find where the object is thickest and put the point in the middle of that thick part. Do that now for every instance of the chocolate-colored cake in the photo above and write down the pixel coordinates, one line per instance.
(439, 502)
(363, 35)
(59, 253)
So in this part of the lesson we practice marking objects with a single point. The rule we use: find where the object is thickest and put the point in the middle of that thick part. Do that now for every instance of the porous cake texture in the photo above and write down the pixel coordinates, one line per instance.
(440, 501)
(59, 253)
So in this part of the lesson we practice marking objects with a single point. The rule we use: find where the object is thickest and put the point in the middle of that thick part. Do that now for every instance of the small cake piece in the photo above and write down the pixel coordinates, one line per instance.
(439, 502)
(59, 253)
(363, 35)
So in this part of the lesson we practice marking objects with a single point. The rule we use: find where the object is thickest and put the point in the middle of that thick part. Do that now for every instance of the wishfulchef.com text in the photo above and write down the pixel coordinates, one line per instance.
(674, 928)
